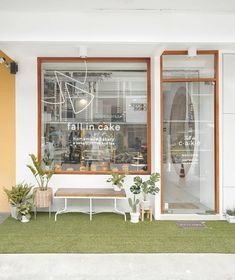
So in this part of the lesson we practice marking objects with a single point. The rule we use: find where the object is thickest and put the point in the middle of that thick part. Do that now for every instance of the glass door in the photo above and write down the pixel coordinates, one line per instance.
(189, 123)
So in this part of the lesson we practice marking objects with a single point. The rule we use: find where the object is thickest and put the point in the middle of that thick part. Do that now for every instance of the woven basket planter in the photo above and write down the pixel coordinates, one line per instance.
(42, 199)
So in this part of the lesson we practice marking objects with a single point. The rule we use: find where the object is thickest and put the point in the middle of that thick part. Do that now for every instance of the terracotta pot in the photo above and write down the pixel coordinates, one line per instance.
(42, 199)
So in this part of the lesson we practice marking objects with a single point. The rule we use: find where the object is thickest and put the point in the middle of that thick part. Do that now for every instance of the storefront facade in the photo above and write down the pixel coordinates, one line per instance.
(140, 101)
(100, 115)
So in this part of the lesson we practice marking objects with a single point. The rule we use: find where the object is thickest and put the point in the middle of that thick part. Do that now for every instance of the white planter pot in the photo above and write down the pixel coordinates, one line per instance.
(145, 204)
(24, 219)
(230, 219)
(116, 188)
(135, 217)
(13, 212)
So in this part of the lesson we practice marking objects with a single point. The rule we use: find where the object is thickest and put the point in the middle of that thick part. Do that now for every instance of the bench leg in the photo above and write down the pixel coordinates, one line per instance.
(63, 210)
(142, 214)
(118, 211)
(151, 214)
(90, 209)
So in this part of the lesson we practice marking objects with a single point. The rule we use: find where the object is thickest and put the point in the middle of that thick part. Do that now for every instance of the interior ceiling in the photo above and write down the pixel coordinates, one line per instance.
(160, 6)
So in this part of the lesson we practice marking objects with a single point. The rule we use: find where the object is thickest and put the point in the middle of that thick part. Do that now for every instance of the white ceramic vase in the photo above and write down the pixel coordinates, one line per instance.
(24, 219)
(13, 212)
(116, 188)
(135, 217)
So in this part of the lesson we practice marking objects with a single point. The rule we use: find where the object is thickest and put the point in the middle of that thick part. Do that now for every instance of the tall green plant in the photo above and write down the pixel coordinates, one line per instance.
(40, 174)
(135, 189)
(148, 186)
(133, 203)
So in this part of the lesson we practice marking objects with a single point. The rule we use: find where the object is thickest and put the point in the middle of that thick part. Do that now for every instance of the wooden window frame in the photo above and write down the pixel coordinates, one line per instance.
(147, 60)
(216, 114)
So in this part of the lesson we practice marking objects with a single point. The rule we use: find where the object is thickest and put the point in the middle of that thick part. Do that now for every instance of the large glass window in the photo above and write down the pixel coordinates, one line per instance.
(189, 129)
(94, 115)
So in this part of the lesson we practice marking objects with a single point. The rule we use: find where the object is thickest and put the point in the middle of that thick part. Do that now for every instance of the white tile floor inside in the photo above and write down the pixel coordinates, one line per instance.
(183, 192)
(117, 266)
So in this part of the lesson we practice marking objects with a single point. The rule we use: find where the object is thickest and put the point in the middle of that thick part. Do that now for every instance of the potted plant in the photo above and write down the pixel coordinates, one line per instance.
(24, 211)
(18, 195)
(42, 195)
(135, 215)
(230, 215)
(117, 181)
(147, 187)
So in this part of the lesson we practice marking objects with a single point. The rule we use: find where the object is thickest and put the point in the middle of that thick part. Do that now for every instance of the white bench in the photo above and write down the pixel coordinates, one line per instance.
(90, 194)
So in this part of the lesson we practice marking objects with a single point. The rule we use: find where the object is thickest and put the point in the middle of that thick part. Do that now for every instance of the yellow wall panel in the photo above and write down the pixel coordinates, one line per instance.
(7, 132)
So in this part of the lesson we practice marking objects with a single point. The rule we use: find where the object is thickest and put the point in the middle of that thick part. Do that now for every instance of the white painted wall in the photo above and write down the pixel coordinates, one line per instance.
(117, 26)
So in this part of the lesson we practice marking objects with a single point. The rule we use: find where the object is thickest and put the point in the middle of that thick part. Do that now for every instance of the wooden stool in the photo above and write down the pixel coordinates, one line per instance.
(149, 213)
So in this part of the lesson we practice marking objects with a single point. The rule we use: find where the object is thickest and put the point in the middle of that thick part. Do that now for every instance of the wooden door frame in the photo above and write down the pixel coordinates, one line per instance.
(216, 116)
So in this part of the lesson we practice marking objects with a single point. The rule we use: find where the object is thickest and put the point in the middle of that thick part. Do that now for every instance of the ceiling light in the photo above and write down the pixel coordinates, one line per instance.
(83, 51)
(192, 52)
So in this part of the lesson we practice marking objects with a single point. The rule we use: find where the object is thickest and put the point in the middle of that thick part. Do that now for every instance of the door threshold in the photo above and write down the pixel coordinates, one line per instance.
(194, 217)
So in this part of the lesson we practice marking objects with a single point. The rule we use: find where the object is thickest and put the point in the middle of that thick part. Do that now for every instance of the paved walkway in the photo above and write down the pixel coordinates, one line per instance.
(3, 217)
(117, 266)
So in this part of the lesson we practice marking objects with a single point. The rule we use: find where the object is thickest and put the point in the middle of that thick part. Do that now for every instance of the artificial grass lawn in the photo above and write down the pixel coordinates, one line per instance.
(108, 233)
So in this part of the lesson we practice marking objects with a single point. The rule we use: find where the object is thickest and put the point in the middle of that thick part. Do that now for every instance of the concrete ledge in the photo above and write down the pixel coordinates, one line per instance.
(117, 266)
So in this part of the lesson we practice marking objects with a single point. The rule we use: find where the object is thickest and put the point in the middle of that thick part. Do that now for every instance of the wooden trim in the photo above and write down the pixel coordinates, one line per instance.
(89, 192)
(216, 113)
(64, 172)
(179, 80)
(201, 52)
(39, 63)
(162, 134)
(217, 175)
(93, 59)
(147, 60)
(149, 126)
